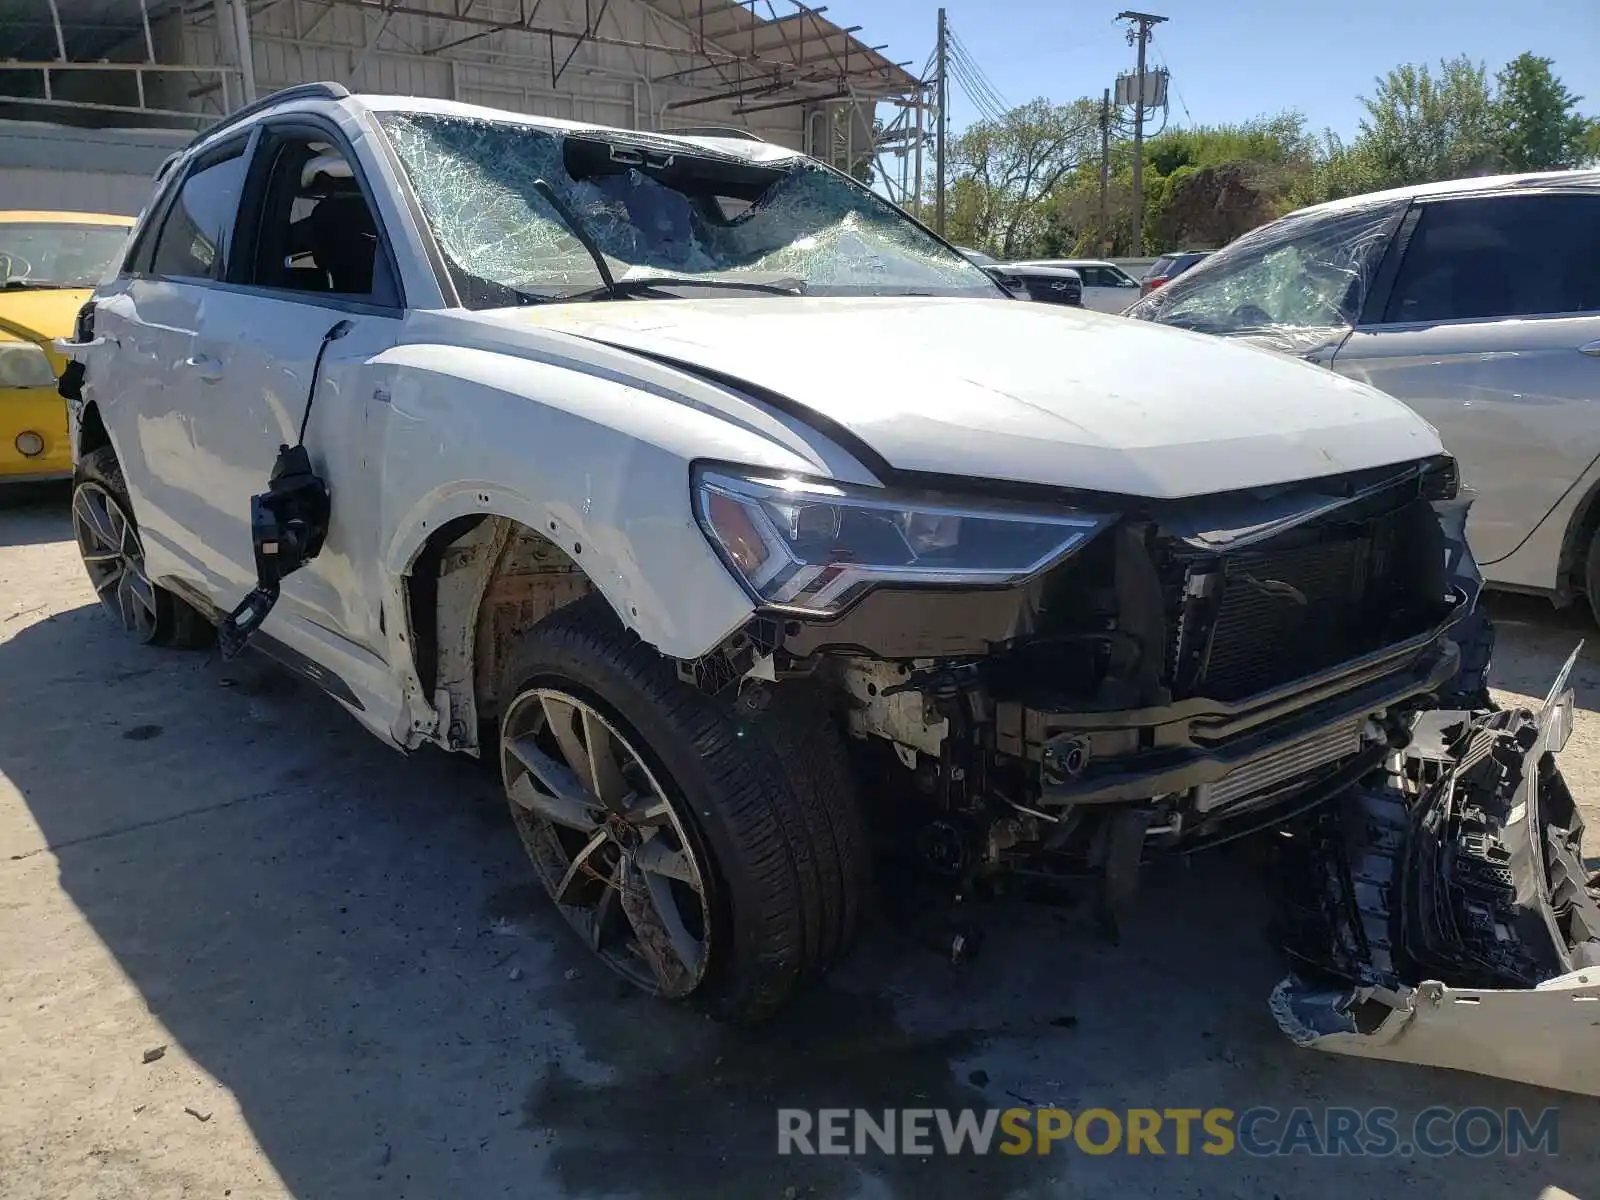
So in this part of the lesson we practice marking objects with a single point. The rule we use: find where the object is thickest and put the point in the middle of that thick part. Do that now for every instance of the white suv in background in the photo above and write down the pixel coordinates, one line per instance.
(1106, 287)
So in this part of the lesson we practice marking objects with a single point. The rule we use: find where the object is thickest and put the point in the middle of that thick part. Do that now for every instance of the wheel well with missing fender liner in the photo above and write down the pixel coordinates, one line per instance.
(477, 583)
(92, 433)
(1572, 568)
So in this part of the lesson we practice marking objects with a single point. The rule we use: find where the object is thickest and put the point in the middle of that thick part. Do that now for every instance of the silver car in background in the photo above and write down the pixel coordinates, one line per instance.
(1477, 302)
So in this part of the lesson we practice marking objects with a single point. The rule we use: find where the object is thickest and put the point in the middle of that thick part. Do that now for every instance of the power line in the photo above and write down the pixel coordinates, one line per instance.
(985, 103)
(980, 76)
(1162, 59)
(977, 86)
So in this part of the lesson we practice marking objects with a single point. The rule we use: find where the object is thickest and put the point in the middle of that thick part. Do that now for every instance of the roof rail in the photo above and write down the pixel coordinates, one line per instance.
(722, 131)
(300, 91)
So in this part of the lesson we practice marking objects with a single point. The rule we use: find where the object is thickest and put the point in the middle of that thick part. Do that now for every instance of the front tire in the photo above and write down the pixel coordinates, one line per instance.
(113, 556)
(705, 851)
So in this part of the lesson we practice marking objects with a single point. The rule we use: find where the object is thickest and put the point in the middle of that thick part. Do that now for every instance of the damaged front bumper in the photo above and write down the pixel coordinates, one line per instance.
(1439, 912)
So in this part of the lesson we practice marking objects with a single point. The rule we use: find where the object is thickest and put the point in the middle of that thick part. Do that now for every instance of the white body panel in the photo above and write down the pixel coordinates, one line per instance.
(1107, 299)
(552, 416)
(962, 387)
(1546, 1035)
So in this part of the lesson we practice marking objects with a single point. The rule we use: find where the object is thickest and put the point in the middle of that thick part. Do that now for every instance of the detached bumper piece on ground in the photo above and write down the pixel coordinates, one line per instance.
(1439, 912)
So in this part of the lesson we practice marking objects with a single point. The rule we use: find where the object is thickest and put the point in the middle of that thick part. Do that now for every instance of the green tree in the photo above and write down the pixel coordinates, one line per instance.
(1539, 126)
(1421, 128)
(1004, 169)
(1338, 169)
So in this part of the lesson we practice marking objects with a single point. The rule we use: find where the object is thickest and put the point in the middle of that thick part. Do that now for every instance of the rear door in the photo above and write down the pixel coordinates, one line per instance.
(151, 317)
(1491, 331)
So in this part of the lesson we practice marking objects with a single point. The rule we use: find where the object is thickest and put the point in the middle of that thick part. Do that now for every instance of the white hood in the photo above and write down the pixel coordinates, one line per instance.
(1034, 393)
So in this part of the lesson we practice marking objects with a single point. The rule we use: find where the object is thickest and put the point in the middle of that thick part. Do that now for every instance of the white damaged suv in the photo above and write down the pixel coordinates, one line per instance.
(737, 515)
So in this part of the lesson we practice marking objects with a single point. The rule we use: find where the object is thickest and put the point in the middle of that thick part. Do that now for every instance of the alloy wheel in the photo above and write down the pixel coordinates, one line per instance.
(606, 841)
(114, 557)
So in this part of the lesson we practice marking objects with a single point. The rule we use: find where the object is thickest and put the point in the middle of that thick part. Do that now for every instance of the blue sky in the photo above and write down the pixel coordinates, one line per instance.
(1234, 60)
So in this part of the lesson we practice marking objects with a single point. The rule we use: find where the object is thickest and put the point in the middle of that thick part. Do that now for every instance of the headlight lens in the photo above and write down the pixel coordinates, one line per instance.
(1441, 479)
(816, 547)
(23, 364)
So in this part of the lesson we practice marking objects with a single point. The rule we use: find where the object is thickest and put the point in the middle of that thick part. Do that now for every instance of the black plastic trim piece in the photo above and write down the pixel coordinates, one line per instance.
(300, 91)
(315, 672)
(281, 654)
(1218, 720)
(1377, 297)
(448, 292)
(1184, 768)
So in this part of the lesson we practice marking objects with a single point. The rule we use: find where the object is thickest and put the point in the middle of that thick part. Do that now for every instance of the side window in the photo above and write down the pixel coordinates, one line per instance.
(1090, 276)
(1505, 256)
(195, 235)
(317, 233)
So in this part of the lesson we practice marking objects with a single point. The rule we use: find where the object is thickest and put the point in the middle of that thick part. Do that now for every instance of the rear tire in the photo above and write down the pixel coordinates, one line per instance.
(113, 555)
(1591, 575)
(747, 809)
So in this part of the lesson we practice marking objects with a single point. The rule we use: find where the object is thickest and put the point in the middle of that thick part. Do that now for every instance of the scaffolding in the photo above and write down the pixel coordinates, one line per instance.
(688, 62)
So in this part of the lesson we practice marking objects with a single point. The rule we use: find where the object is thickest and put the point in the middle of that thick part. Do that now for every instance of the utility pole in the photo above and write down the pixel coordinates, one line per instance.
(1105, 168)
(922, 106)
(938, 141)
(1145, 22)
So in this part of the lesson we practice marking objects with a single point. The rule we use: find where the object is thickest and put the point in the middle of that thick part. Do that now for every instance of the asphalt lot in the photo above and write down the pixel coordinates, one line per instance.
(359, 992)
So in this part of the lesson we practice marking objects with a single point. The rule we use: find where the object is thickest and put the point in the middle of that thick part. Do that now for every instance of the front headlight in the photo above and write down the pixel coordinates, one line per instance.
(23, 364)
(816, 547)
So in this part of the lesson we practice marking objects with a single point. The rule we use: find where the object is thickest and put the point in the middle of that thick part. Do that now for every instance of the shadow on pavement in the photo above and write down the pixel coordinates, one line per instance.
(331, 930)
(34, 513)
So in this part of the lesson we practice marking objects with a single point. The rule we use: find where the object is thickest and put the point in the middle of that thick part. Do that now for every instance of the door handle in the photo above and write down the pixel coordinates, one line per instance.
(1592, 349)
(208, 368)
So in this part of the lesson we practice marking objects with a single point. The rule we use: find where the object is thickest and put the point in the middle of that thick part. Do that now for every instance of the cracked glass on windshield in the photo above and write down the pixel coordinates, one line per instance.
(653, 210)
(1296, 283)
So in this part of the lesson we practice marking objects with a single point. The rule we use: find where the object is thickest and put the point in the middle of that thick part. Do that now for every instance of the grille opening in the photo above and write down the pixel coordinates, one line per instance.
(1298, 605)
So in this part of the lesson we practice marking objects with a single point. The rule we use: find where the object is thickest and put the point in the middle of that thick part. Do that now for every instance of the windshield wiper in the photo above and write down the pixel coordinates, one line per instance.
(634, 285)
(578, 231)
(40, 285)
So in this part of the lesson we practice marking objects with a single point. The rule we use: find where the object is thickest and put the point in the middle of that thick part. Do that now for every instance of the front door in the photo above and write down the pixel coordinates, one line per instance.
(1492, 334)
(311, 277)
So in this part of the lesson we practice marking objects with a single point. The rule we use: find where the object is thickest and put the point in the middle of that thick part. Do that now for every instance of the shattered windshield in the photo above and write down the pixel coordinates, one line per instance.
(57, 256)
(653, 210)
(1298, 282)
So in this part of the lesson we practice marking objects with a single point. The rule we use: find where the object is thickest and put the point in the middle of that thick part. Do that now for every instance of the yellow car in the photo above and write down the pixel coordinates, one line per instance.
(49, 263)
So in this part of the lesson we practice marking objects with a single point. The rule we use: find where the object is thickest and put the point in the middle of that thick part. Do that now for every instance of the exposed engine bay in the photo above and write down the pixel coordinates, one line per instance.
(1195, 672)
(1193, 677)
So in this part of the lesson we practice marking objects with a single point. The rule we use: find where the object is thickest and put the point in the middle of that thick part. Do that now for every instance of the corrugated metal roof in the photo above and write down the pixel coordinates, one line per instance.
(784, 56)
(90, 28)
(795, 44)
